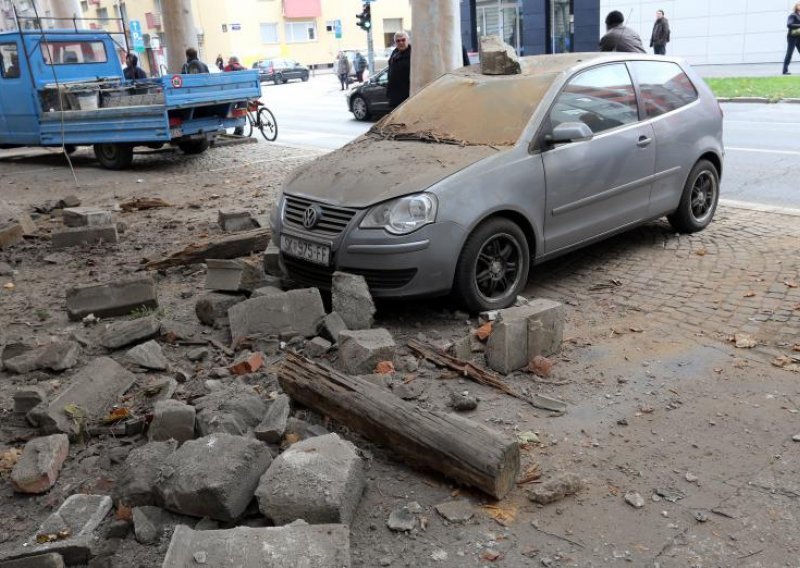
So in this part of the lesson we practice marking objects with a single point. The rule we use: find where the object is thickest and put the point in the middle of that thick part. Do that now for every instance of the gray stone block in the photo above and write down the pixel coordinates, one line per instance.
(172, 419)
(497, 57)
(233, 410)
(136, 485)
(148, 524)
(38, 466)
(10, 235)
(266, 291)
(272, 260)
(352, 301)
(58, 356)
(148, 355)
(331, 326)
(545, 327)
(214, 477)
(86, 217)
(85, 236)
(361, 351)
(212, 309)
(123, 333)
(234, 275)
(27, 398)
(318, 347)
(112, 299)
(233, 221)
(298, 311)
(295, 546)
(50, 560)
(507, 347)
(273, 426)
(93, 390)
(319, 480)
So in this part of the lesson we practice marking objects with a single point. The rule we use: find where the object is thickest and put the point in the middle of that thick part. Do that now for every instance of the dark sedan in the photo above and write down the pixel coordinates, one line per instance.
(280, 71)
(369, 99)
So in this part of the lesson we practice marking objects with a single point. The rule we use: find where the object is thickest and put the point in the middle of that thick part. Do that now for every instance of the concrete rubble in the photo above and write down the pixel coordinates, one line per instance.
(234, 275)
(148, 355)
(331, 326)
(456, 511)
(172, 420)
(123, 333)
(272, 428)
(113, 299)
(318, 347)
(38, 467)
(497, 57)
(212, 309)
(58, 356)
(27, 398)
(48, 560)
(136, 485)
(298, 311)
(236, 410)
(361, 351)
(90, 235)
(556, 489)
(86, 217)
(352, 300)
(234, 221)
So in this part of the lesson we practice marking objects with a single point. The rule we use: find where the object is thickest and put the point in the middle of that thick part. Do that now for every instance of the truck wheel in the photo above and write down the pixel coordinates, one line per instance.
(114, 156)
(194, 146)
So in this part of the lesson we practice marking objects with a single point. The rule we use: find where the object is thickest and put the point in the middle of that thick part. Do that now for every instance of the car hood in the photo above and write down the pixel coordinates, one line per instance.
(369, 170)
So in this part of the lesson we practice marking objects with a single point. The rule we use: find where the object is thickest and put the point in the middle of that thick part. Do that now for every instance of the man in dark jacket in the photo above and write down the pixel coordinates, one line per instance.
(618, 37)
(361, 66)
(399, 83)
(132, 71)
(193, 65)
(660, 36)
(792, 37)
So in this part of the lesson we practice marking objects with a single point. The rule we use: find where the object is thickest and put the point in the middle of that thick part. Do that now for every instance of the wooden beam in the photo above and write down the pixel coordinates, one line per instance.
(233, 246)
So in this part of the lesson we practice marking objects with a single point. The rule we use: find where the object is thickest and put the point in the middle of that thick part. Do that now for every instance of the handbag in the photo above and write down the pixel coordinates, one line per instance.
(795, 32)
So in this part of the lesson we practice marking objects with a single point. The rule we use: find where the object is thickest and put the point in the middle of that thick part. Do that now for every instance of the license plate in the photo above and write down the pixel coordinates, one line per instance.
(175, 132)
(312, 252)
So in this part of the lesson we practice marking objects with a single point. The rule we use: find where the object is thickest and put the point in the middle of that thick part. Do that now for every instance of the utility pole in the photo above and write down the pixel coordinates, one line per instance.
(436, 40)
(181, 32)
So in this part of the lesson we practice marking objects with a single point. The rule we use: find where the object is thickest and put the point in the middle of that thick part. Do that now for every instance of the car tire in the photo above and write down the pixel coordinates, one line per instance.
(114, 156)
(192, 147)
(493, 266)
(277, 79)
(304, 78)
(359, 108)
(699, 199)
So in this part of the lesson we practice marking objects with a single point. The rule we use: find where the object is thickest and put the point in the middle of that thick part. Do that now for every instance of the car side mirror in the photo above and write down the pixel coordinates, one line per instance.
(568, 132)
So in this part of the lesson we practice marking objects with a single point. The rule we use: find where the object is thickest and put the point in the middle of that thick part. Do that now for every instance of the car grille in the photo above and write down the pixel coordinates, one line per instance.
(332, 222)
(321, 276)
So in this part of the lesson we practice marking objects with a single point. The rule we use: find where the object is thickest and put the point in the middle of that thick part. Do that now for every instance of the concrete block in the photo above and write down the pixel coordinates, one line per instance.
(318, 347)
(148, 355)
(123, 333)
(298, 311)
(69, 201)
(86, 217)
(361, 351)
(174, 420)
(10, 235)
(273, 426)
(27, 398)
(233, 221)
(545, 327)
(319, 480)
(507, 346)
(148, 524)
(234, 275)
(296, 546)
(233, 410)
(85, 236)
(352, 300)
(212, 309)
(92, 391)
(497, 57)
(303, 430)
(136, 485)
(214, 477)
(38, 466)
(266, 291)
(58, 356)
(272, 262)
(50, 560)
(112, 299)
(331, 326)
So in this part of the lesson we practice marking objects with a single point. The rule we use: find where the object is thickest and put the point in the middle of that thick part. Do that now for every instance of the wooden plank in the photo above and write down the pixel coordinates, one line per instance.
(230, 246)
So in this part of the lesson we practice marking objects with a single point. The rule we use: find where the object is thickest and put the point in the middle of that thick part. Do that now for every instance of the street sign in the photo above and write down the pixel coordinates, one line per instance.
(236, 27)
(337, 28)
(136, 35)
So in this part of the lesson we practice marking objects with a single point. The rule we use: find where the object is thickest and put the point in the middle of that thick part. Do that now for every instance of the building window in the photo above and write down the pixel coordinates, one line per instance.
(84, 6)
(9, 61)
(330, 26)
(500, 17)
(301, 31)
(269, 33)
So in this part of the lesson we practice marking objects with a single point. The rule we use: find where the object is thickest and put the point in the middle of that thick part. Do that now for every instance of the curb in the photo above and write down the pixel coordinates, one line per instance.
(763, 100)
(777, 209)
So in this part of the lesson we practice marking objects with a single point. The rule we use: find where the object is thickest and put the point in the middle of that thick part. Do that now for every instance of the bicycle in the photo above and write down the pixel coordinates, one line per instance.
(261, 118)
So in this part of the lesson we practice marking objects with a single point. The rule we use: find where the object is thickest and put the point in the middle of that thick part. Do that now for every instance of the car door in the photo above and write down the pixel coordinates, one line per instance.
(20, 122)
(599, 185)
(376, 95)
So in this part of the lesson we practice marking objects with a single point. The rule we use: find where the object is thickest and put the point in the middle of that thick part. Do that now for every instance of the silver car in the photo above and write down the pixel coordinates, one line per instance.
(478, 177)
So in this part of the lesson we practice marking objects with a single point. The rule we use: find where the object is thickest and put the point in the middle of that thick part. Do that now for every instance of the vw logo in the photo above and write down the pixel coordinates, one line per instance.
(311, 217)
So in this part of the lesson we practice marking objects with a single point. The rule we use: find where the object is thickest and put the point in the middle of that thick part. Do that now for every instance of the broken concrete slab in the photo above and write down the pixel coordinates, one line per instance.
(38, 466)
(148, 355)
(318, 347)
(173, 420)
(86, 217)
(112, 299)
(331, 326)
(234, 275)
(361, 351)
(234, 221)
(221, 468)
(136, 485)
(272, 428)
(212, 309)
(49, 560)
(402, 520)
(545, 327)
(236, 410)
(497, 57)
(58, 356)
(456, 511)
(298, 311)
(106, 234)
(295, 546)
(124, 333)
(91, 393)
(319, 480)
(352, 300)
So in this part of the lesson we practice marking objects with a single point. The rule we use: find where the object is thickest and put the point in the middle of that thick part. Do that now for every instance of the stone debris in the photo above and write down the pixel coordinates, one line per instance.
(49, 560)
(294, 546)
(27, 398)
(402, 520)
(497, 57)
(298, 311)
(58, 356)
(136, 485)
(456, 511)
(302, 430)
(6, 269)
(556, 489)
(10, 235)
(352, 300)
(273, 426)
(272, 259)
(124, 333)
(148, 355)
(234, 275)
(197, 354)
(409, 391)
(106, 234)
(235, 221)
(86, 217)
(545, 327)
(319, 480)
(361, 351)
(212, 309)
(247, 363)
(266, 291)
(520, 334)
(318, 347)
(38, 467)
(224, 469)
(172, 420)
(463, 401)
(233, 410)
(331, 326)
(68, 201)
(148, 524)
(634, 499)
(14, 225)
(113, 299)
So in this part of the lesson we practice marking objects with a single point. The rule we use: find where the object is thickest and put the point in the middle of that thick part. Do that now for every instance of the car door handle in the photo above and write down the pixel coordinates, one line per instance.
(644, 141)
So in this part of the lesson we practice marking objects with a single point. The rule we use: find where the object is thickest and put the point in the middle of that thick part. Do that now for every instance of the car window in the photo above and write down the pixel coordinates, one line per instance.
(9, 61)
(603, 98)
(663, 85)
(73, 52)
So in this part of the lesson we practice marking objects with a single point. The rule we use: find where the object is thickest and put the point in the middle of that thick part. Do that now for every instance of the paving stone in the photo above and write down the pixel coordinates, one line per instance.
(318, 347)
(172, 419)
(113, 299)
(234, 275)
(545, 327)
(50, 560)
(298, 311)
(497, 57)
(212, 309)
(273, 426)
(27, 398)
(234, 221)
(456, 511)
(136, 484)
(234, 410)
(214, 477)
(361, 351)
(124, 333)
(58, 356)
(78, 236)
(294, 546)
(319, 480)
(352, 301)
(38, 466)
(331, 326)
(148, 355)
(92, 391)
(86, 217)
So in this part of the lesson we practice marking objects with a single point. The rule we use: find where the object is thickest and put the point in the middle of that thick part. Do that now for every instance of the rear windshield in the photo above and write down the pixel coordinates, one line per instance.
(469, 109)
(73, 52)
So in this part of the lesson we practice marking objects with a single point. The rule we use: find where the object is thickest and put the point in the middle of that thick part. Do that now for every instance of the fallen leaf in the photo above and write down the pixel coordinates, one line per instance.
(9, 459)
(117, 413)
(790, 283)
(540, 366)
(291, 438)
(501, 514)
(532, 474)
(384, 368)
(528, 437)
(52, 537)
(744, 341)
(749, 294)
(484, 331)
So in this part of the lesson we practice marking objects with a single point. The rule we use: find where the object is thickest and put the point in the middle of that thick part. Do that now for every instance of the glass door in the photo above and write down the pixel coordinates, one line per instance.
(502, 18)
(562, 23)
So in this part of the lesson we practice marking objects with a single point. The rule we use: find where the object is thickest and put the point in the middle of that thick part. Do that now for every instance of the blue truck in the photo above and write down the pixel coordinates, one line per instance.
(66, 88)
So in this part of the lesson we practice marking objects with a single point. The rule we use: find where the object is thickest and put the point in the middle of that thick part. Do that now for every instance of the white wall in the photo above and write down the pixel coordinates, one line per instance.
(712, 31)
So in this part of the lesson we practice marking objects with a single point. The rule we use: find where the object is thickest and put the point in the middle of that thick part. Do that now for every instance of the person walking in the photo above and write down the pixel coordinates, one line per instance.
(220, 62)
(399, 84)
(660, 36)
(792, 37)
(361, 66)
(193, 65)
(234, 65)
(132, 71)
(342, 69)
(619, 37)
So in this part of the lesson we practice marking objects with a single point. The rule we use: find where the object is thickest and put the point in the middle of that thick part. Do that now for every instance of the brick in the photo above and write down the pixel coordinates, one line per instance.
(272, 428)
(298, 311)
(361, 351)
(87, 217)
(234, 275)
(249, 363)
(10, 235)
(113, 299)
(233, 221)
(212, 309)
(78, 236)
(123, 333)
(38, 467)
(136, 485)
(174, 420)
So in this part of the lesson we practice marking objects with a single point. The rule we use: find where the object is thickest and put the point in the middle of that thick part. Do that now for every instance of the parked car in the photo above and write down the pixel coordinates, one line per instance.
(280, 70)
(369, 99)
(521, 169)
(381, 60)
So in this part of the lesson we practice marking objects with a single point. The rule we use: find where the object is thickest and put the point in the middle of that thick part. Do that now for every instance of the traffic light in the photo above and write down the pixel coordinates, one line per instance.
(365, 18)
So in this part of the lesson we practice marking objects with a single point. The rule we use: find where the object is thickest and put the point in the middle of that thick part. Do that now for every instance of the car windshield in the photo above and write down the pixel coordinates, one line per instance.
(492, 110)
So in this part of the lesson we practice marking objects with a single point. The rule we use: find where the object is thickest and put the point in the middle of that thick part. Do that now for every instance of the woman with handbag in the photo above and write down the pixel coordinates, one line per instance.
(793, 37)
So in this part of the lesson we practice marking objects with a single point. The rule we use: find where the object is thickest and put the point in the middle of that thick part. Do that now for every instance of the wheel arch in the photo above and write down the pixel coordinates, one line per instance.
(715, 159)
(518, 218)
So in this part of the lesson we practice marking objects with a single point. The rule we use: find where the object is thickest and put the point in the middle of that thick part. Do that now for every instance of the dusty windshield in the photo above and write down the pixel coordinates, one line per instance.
(469, 109)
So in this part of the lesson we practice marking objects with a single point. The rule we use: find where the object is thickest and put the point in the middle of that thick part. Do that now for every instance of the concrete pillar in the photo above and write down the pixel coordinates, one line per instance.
(180, 31)
(435, 40)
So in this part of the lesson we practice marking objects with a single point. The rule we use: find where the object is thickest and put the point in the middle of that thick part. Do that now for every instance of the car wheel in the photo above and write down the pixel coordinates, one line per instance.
(304, 78)
(277, 79)
(493, 266)
(114, 156)
(192, 147)
(699, 200)
(360, 108)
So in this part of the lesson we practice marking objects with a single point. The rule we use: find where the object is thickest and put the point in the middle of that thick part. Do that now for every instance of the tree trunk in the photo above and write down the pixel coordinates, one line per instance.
(181, 32)
(461, 449)
(436, 41)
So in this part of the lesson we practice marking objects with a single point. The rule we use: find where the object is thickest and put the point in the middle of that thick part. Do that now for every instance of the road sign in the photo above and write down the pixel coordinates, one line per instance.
(136, 35)
(337, 28)
(236, 27)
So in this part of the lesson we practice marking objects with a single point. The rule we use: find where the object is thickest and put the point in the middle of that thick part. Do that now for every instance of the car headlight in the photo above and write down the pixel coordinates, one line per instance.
(402, 216)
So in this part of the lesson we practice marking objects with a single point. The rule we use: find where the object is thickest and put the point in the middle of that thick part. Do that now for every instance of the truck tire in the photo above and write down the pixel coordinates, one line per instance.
(114, 156)
(192, 147)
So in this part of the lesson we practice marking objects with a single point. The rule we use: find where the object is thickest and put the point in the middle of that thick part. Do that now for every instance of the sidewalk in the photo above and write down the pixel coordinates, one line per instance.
(740, 70)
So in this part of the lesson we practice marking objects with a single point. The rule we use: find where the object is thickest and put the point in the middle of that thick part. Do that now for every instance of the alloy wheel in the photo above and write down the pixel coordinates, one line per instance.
(704, 193)
(498, 266)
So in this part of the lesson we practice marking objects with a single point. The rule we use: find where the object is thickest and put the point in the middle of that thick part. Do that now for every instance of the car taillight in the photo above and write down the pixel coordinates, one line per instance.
(175, 121)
